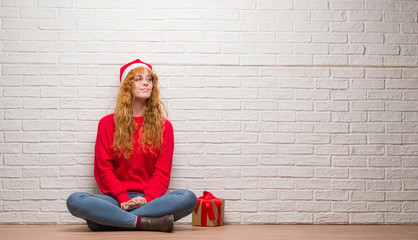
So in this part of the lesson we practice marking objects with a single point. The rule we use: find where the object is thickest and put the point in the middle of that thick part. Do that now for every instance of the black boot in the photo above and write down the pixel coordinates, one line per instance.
(164, 224)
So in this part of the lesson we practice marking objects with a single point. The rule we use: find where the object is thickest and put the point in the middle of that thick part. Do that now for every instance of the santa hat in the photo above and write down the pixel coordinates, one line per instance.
(125, 69)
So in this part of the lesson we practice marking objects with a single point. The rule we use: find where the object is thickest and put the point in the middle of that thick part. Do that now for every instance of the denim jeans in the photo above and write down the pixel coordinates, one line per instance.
(105, 210)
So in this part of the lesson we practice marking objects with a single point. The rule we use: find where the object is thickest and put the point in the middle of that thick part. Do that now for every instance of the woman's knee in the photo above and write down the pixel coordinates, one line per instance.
(73, 201)
(189, 198)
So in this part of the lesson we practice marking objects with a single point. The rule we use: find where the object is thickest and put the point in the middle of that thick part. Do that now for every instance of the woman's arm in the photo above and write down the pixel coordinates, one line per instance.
(104, 171)
(160, 178)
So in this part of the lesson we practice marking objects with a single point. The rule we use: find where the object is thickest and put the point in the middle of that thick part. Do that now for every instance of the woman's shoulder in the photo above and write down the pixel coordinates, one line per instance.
(106, 120)
(167, 124)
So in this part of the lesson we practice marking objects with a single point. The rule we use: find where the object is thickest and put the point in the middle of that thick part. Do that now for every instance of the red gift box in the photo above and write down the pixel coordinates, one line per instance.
(209, 211)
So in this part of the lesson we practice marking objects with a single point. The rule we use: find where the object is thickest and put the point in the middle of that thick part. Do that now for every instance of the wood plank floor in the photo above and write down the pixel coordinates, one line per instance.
(242, 232)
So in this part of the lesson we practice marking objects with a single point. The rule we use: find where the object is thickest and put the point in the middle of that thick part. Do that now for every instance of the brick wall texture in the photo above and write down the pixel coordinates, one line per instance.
(294, 111)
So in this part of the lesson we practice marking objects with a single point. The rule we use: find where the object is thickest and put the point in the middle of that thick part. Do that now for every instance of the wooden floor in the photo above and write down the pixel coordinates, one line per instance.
(242, 232)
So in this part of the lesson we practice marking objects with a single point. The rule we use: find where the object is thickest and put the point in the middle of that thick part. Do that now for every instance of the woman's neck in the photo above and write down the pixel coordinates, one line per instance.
(138, 107)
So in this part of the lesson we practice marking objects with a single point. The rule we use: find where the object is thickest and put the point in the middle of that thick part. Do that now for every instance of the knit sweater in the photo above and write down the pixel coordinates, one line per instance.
(143, 172)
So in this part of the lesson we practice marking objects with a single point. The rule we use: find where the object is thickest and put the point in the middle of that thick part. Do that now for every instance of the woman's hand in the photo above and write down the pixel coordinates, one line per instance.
(133, 203)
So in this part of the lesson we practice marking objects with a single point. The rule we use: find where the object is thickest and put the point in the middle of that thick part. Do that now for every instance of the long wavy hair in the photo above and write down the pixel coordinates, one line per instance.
(150, 134)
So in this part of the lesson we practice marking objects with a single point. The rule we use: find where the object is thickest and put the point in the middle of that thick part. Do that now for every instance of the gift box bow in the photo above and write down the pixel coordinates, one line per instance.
(207, 208)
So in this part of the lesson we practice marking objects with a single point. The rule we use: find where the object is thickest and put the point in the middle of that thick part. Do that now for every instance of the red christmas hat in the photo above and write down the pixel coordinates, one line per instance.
(125, 69)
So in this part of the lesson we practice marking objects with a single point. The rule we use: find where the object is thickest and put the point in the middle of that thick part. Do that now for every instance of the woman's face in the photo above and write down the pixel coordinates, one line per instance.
(143, 85)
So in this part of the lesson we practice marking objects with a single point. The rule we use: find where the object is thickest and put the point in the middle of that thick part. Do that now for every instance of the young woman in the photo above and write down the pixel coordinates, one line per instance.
(132, 163)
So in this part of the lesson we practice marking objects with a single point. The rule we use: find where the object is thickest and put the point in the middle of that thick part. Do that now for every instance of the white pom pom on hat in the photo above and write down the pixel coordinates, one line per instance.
(125, 69)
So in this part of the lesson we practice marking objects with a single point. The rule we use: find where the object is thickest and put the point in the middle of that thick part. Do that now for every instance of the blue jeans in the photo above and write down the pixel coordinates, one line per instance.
(105, 210)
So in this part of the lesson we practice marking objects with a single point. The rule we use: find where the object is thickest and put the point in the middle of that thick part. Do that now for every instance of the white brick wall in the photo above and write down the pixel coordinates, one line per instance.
(294, 111)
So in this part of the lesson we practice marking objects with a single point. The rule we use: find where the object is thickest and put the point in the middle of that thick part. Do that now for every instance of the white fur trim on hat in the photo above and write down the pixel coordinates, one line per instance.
(133, 66)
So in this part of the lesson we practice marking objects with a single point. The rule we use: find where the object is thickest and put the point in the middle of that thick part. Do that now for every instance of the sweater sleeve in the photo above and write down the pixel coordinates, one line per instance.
(160, 178)
(104, 171)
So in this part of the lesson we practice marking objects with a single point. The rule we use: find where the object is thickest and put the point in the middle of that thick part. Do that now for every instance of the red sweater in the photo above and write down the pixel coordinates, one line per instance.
(143, 172)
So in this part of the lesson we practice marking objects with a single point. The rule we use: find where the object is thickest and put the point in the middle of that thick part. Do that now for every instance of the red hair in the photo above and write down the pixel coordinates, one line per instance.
(150, 134)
